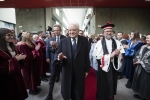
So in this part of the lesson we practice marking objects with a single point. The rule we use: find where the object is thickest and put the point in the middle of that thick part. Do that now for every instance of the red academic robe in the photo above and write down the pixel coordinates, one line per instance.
(12, 86)
(44, 66)
(30, 68)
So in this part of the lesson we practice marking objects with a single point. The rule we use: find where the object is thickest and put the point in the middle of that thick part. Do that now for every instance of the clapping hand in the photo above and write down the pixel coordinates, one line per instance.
(37, 47)
(61, 56)
(53, 44)
(20, 56)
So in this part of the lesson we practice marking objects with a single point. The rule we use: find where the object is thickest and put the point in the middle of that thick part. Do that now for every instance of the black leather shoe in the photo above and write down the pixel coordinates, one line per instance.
(57, 79)
(128, 86)
(33, 92)
(137, 96)
(49, 98)
(46, 76)
(44, 80)
(120, 77)
(38, 89)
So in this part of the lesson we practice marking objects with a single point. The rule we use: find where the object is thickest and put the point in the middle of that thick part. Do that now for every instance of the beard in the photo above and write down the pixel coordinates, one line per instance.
(108, 37)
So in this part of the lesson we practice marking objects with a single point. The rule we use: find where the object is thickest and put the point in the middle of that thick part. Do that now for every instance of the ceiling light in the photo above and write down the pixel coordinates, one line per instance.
(2, 0)
(147, 0)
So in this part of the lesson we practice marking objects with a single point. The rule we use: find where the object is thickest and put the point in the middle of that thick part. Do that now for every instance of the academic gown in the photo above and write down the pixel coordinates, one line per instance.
(31, 73)
(141, 79)
(129, 67)
(44, 66)
(12, 86)
(107, 74)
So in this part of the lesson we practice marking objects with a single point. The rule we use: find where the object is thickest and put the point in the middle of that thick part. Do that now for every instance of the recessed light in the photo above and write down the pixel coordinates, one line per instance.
(2, 0)
(147, 0)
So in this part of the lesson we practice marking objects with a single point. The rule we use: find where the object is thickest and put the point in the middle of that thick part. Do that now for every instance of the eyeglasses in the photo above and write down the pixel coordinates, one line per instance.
(9, 35)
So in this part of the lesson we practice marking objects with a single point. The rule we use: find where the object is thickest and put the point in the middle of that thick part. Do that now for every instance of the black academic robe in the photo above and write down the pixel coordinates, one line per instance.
(76, 65)
(141, 79)
(12, 86)
(107, 81)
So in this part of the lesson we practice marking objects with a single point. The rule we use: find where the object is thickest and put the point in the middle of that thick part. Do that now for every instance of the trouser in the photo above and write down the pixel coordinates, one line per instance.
(55, 73)
(74, 88)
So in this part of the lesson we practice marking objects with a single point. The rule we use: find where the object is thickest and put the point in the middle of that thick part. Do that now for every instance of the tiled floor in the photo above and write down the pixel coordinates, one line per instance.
(122, 92)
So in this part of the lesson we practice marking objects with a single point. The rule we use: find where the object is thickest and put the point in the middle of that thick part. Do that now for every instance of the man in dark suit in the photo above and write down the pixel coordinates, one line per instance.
(51, 52)
(73, 54)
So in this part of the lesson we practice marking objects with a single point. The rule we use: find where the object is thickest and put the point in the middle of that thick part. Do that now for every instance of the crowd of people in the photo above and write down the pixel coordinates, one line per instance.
(25, 60)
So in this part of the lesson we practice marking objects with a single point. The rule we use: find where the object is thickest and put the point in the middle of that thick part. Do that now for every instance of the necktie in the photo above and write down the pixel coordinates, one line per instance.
(57, 40)
(74, 46)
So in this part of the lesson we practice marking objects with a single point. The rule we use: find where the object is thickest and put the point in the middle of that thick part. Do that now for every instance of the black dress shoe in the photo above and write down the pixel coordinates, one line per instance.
(38, 89)
(120, 77)
(33, 92)
(137, 96)
(44, 80)
(46, 76)
(129, 86)
(49, 98)
(57, 79)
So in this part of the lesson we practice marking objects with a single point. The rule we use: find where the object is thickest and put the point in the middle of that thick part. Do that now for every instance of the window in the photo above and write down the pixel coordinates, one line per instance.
(9, 25)
(64, 20)
(57, 11)
(57, 22)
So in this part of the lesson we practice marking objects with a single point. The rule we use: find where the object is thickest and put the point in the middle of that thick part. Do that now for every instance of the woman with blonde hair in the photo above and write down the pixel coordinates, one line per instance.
(30, 68)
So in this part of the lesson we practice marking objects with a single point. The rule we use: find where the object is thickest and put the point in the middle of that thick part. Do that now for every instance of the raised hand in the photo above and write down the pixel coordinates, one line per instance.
(61, 56)
(20, 57)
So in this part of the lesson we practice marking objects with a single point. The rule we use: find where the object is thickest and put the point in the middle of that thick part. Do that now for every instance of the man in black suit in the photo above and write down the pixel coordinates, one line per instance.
(73, 53)
(51, 54)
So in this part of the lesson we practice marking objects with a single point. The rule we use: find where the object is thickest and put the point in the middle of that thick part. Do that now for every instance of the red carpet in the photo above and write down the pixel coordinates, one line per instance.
(90, 86)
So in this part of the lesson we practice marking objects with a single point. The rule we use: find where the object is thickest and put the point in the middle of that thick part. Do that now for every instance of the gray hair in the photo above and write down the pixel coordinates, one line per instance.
(74, 23)
(34, 36)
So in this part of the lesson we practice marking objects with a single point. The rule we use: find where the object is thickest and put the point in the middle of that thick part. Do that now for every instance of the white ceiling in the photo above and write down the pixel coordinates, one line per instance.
(75, 15)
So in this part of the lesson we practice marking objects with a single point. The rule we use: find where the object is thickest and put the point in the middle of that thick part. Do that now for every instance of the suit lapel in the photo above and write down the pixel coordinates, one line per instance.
(79, 44)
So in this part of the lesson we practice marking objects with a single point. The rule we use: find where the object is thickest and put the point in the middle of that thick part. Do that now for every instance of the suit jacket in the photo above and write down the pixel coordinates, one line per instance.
(52, 53)
(80, 64)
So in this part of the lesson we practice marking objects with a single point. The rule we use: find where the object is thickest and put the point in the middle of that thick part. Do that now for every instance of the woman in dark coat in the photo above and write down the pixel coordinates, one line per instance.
(11, 82)
(141, 79)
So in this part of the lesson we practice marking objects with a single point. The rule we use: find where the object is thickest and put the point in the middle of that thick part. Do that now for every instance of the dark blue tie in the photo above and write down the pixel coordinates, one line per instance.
(57, 40)
(74, 46)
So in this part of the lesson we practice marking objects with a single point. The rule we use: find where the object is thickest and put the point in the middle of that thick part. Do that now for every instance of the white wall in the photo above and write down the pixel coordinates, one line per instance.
(8, 15)
(92, 25)
(1, 24)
